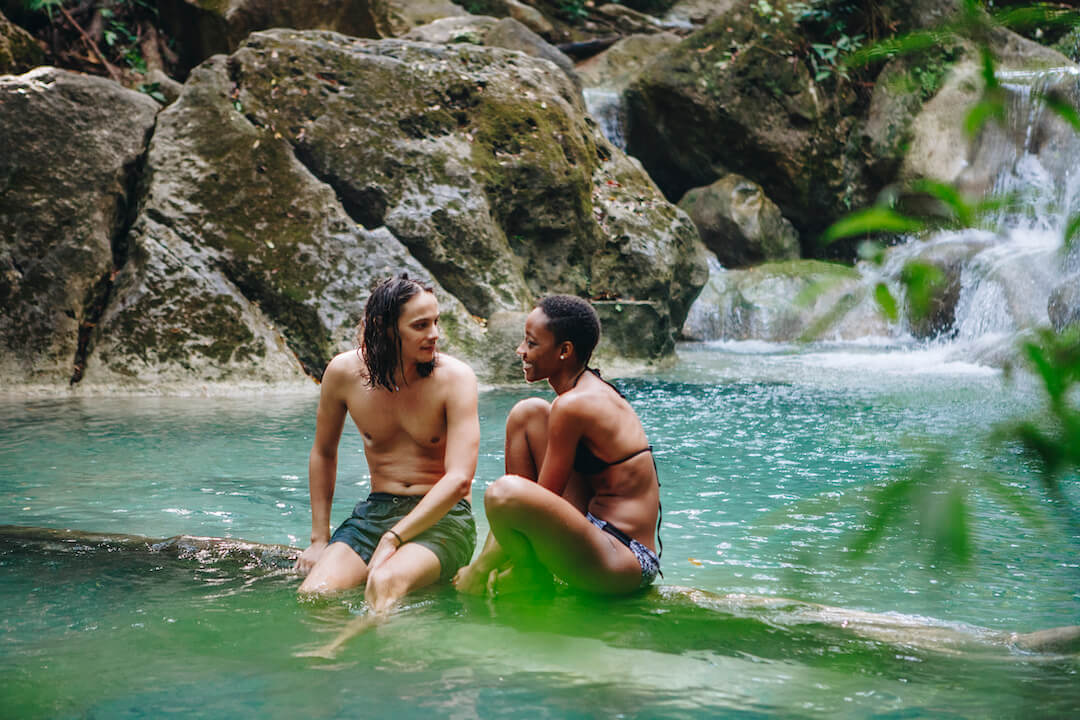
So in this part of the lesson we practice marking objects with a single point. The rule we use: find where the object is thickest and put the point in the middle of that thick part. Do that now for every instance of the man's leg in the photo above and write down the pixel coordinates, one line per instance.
(339, 568)
(411, 567)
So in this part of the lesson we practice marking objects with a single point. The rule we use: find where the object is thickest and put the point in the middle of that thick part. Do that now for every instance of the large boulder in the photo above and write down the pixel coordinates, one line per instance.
(797, 300)
(19, 51)
(507, 33)
(72, 146)
(208, 27)
(739, 224)
(618, 66)
(729, 98)
(244, 268)
(481, 161)
(691, 13)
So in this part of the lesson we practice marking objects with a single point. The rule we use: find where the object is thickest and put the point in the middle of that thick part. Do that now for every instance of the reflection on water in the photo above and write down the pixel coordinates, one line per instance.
(743, 436)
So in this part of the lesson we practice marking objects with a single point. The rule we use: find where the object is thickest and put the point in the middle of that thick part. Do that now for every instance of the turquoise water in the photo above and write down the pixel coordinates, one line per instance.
(744, 435)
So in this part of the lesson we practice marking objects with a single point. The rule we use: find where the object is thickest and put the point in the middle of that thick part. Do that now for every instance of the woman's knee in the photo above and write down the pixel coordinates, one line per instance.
(505, 493)
(526, 412)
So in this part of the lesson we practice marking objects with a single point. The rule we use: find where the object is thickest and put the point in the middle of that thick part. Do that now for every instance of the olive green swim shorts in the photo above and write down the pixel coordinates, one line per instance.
(452, 538)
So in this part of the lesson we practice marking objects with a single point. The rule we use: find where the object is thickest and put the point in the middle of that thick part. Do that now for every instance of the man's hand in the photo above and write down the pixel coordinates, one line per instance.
(309, 557)
(387, 546)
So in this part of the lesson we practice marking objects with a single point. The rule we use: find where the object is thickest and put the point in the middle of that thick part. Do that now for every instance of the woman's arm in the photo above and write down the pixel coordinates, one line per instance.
(565, 429)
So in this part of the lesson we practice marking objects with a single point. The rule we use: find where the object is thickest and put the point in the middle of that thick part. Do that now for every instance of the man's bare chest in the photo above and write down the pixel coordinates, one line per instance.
(387, 420)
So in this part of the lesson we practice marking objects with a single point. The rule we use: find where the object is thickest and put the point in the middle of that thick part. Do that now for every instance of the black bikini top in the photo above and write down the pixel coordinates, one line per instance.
(586, 462)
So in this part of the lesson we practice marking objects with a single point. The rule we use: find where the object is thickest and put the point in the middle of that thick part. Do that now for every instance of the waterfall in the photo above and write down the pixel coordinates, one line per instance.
(999, 277)
(606, 107)
(1013, 265)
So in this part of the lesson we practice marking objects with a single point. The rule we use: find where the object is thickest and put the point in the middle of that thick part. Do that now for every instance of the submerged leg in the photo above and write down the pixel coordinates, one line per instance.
(410, 568)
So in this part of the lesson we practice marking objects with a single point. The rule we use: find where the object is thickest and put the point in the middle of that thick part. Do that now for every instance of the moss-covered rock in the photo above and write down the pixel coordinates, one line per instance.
(72, 144)
(244, 267)
(739, 96)
(19, 51)
(208, 27)
(481, 161)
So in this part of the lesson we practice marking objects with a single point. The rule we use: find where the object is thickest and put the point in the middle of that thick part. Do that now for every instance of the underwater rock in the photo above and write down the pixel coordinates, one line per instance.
(796, 300)
(19, 51)
(71, 147)
(739, 224)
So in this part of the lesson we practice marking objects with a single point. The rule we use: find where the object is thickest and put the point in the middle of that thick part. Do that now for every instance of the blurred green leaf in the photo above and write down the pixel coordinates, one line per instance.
(872, 252)
(1062, 107)
(949, 196)
(1013, 499)
(989, 108)
(886, 301)
(891, 47)
(989, 70)
(951, 532)
(1072, 230)
(1038, 15)
(922, 280)
(871, 220)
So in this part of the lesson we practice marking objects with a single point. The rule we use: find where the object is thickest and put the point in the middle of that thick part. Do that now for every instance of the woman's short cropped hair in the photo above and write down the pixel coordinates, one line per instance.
(573, 319)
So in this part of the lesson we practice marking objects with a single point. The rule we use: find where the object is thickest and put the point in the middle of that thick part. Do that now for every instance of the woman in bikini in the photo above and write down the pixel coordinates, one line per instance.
(580, 500)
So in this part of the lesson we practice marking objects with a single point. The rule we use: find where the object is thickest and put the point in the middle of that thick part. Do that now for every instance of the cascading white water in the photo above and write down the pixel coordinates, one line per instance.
(1003, 273)
(606, 107)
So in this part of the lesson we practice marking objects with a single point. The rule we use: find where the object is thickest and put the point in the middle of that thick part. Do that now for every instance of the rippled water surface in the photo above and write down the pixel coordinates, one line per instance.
(765, 454)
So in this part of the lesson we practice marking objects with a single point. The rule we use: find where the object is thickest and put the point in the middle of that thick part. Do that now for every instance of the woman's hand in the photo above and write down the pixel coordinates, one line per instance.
(387, 546)
(309, 557)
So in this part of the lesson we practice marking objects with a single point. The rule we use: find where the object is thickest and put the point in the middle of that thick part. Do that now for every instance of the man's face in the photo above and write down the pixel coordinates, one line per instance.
(418, 326)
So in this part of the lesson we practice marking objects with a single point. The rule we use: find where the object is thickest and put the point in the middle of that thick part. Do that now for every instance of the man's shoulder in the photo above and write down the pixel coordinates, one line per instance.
(345, 367)
(454, 375)
(453, 369)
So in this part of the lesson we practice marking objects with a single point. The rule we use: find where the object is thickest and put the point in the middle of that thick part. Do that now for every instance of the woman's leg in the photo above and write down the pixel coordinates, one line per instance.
(526, 437)
(533, 525)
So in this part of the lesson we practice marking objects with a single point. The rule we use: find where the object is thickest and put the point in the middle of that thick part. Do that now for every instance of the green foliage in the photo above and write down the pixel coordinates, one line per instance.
(120, 34)
(937, 490)
(1053, 439)
(877, 219)
(154, 91)
(574, 10)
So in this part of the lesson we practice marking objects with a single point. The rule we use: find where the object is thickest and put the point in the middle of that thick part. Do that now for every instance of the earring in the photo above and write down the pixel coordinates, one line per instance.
(562, 357)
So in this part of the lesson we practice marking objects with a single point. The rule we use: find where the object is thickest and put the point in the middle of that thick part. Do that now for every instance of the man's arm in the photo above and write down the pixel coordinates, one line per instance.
(459, 466)
(322, 462)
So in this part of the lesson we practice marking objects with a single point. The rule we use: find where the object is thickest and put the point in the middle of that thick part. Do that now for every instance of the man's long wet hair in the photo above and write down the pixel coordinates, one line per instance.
(379, 339)
(574, 319)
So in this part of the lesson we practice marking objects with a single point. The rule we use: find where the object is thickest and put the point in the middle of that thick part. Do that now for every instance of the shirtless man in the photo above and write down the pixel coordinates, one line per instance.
(417, 412)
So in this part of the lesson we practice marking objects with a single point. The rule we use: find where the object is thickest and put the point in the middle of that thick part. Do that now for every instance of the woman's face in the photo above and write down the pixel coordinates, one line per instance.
(539, 352)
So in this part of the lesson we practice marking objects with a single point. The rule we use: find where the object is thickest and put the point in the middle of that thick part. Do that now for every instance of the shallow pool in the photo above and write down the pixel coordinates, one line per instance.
(744, 435)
